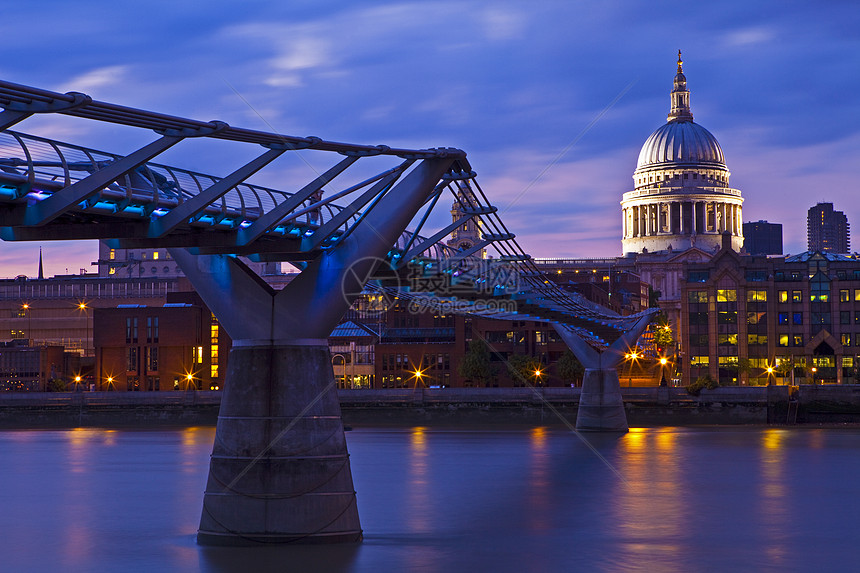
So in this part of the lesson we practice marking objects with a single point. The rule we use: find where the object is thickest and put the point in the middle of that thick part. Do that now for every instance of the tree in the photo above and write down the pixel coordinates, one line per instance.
(522, 369)
(476, 365)
(569, 369)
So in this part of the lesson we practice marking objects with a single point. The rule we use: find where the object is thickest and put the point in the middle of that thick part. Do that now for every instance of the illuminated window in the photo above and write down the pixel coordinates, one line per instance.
(213, 349)
(782, 296)
(112, 255)
(846, 340)
(796, 296)
(155, 256)
(782, 340)
(699, 361)
(756, 296)
(844, 295)
(112, 271)
(727, 295)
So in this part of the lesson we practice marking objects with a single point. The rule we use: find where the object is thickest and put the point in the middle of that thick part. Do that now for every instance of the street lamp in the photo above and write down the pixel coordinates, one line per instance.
(632, 357)
(83, 306)
(663, 362)
(537, 376)
(769, 375)
(26, 308)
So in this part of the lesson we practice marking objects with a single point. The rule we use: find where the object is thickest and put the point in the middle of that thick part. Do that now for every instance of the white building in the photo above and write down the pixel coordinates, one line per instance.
(681, 196)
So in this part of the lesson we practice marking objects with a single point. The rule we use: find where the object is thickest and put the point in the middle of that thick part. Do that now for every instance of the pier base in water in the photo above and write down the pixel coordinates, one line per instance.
(279, 471)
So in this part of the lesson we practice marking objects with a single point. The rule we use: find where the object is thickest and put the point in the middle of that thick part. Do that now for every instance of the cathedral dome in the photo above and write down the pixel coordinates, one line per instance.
(680, 143)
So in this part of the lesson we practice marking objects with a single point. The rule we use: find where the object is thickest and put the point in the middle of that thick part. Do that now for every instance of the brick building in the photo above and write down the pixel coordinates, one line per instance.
(799, 315)
(175, 346)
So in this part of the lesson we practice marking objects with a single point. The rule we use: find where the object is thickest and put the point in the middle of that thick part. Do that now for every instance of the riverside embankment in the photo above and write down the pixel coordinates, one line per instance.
(453, 406)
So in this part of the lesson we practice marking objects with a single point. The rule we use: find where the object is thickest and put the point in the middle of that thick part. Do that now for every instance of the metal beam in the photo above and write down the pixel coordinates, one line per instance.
(429, 242)
(274, 216)
(335, 222)
(187, 209)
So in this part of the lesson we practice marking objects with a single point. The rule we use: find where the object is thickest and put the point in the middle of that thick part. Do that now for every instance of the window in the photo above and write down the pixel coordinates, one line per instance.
(757, 339)
(782, 340)
(155, 256)
(701, 277)
(698, 340)
(846, 340)
(727, 295)
(697, 296)
(844, 295)
(727, 340)
(702, 317)
(130, 330)
(112, 255)
(820, 318)
(798, 339)
(797, 318)
(796, 296)
(727, 317)
(132, 359)
(756, 275)
(844, 317)
(782, 296)
(756, 318)
(857, 295)
(152, 359)
(756, 296)
(699, 361)
(782, 318)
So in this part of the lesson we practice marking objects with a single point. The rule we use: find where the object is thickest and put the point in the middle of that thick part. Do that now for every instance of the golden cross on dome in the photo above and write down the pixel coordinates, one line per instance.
(679, 62)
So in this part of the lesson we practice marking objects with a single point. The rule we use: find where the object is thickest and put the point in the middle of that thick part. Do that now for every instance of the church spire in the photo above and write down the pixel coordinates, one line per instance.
(41, 272)
(680, 110)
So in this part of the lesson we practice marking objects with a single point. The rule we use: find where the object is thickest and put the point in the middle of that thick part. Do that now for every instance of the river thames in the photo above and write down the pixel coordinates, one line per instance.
(508, 499)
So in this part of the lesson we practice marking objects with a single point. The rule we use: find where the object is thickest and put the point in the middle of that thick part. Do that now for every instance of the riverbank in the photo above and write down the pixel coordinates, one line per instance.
(451, 406)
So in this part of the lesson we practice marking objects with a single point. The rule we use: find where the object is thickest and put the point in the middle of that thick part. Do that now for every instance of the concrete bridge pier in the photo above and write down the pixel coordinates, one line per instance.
(279, 471)
(601, 407)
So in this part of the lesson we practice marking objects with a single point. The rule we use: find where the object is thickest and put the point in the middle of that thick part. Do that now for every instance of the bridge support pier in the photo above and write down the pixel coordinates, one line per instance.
(601, 408)
(279, 471)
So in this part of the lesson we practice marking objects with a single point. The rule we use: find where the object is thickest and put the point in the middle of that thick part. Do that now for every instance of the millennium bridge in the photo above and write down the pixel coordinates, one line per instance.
(279, 470)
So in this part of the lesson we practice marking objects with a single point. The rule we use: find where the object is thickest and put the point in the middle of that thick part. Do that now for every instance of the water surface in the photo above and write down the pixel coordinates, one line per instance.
(523, 499)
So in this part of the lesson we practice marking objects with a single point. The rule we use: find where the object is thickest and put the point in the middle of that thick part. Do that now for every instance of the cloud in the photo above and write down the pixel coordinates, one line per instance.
(499, 24)
(746, 37)
(95, 79)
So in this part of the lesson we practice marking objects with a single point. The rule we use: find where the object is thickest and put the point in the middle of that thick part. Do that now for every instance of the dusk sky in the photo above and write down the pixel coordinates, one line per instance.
(551, 100)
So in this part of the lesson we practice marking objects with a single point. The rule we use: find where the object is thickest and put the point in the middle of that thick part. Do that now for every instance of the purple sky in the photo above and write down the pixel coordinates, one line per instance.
(515, 84)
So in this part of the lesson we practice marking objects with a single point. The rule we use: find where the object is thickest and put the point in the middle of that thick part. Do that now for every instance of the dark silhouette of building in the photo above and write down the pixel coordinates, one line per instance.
(763, 238)
(827, 230)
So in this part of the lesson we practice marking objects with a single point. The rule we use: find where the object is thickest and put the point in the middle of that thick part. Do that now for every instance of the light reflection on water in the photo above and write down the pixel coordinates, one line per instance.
(529, 499)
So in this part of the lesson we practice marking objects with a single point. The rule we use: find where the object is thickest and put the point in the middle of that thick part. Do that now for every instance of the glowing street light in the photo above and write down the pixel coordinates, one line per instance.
(663, 362)
(632, 356)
